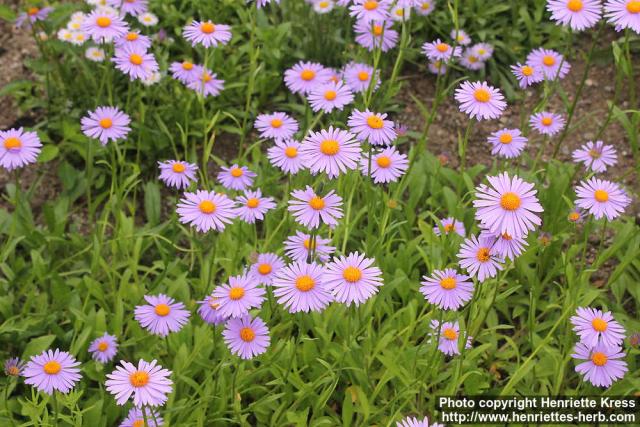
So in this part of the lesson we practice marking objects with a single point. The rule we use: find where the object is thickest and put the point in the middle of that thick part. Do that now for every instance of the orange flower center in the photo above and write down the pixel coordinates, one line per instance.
(383, 161)
(506, 236)
(276, 123)
(483, 255)
(375, 122)
(236, 293)
(595, 154)
(52, 367)
(178, 167)
(307, 75)
(12, 143)
(450, 334)
(506, 138)
(601, 196)
(207, 207)
(633, 6)
(329, 147)
(213, 304)
(138, 423)
(188, 66)
(352, 274)
(548, 60)
(162, 310)
(316, 203)
(135, 59)
(599, 324)
(264, 269)
(575, 5)
(207, 27)
(574, 216)
(247, 334)
(448, 283)
(236, 172)
(599, 359)
(526, 71)
(308, 245)
(32, 11)
(139, 379)
(291, 152)
(103, 21)
(363, 76)
(547, 121)
(106, 123)
(330, 95)
(449, 227)
(305, 283)
(132, 36)
(482, 95)
(253, 203)
(442, 47)
(510, 201)
(103, 346)
(13, 371)
(371, 5)
(377, 30)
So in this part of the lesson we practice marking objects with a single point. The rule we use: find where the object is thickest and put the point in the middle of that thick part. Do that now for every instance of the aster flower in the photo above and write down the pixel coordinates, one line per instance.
(552, 64)
(370, 10)
(52, 370)
(527, 75)
(298, 247)
(601, 366)
(376, 34)
(304, 76)
(437, 67)
(206, 83)
(18, 148)
(135, 417)
(547, 123)
(262, 3)
(460, 36)
(415, 422)
(236, 177)
(623, 14)
(323, 6)
(238, 296)
(161, 315)
(449, 335)
(31, 16)
(602, 198)
(544, 238)
(358, 77)
(441, 51)
(483, 51)
(246, 337)
(309, 209)
(509, 206)
(134, 40)
(479, 258)
(64, 35)
(505, 245)
(353, 279)
(480, 101)
(206, 210)
(595, 326)
(576, 14)
(207, 33)
(266, 268)
(400, 13)
(576, 215)
(185, 71)
(286, 156)
(13, 367)
(177, 173)
(106, 124)
(78, 38)
(386, 166)
(149, 383)
(104, 25)
(333, 151)
(147, 19)
(301, 287)
(507, 143)
(252, 206)
(448, 225)
(104, 349)
(425, 7)
(95, 54)
(372, 127)
(471, 61)
(208, 310)
(447, 289)
(329, 96)
(596, 156)
(276, 126)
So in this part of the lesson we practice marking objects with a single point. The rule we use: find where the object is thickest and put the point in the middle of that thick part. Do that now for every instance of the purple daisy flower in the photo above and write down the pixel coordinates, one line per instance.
(18, 148)
(333, 151)
(135, 417)
(483, 51)
(437, 67)
(358, 77)
(480, 101)
(448, 225)
(547, 123)
(132, 7)
(376, 34)
(449, 335)
(471, 61)
(353, 279)
(329, 96)
(206, 83)
(415, 422)
(386, 166)
(509, 206)
(309, 209)
(301, 287)
(370, 10)
(400, 13)
(137, 63)
(134, 40)
(31, 16)
(441, 51)
(276, 126)
(576, 215)
(104, 349)
(51, 371)
(206, 210)
(238, 296)
(246, 337)
(425, 7)
(104, 25)
(266, 268)
(298, 247)
(285, 155)
(236, 177)
(507, 143)
(550, 62)
(576, 14)
(372, 127)
(207, 33)
(177, 173)
(623, 14)
(527, 75)
(596, 156)
(161, 315)
(594, 327)
(323, 6)
(602, 198)
(479, 258)
(505, 245)
(149, 383)
(208, 310)
(106, 124)
(601, 366)
(305, 76)
(252, 206)
(447, 289)
(13, 367)
(185, 71)
(460, 36)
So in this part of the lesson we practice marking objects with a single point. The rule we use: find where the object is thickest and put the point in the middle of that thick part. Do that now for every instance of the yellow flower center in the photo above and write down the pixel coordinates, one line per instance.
(601, 196)
(375, 122)
(308, 245)
(135, 59)
(162, 310)
(178, 167)
(473, 59)
(307, 75)
(323, 4)
(371, 5)
(276, 123)
(599, 359)
(575, 5)
(483, 255)
(330, 95)
(448, 283)
(425, 5)
(103, 21)
(442, 47)
(329, 147)
(52, 367)
(12, 143)
(633, 6)
(595, 154)
(449, 227)
(236, 172)
(236, 293)
(265, 269)
(482, 95)
(13, 371)
(253, 203)
(352, 274)
(247, 334)
(506, 138)
(139, 379)
(291, 152)
(305, 283)
(548, 60)
(363, 76)
(188, 66)
(599, 324)
(383, 161)
(450, 334)
(32, 11)
(106, 123)
(103, 346)
(547, 121)
(510, 201)
(316, 203)
(400, 12)
(526, 71)
(132, 36)
(377, 30)
(207, 207)
(574, 216)
(207, 27)
(206, 77)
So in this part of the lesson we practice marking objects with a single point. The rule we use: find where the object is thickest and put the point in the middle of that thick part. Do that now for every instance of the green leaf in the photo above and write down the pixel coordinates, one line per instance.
(48, 153)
